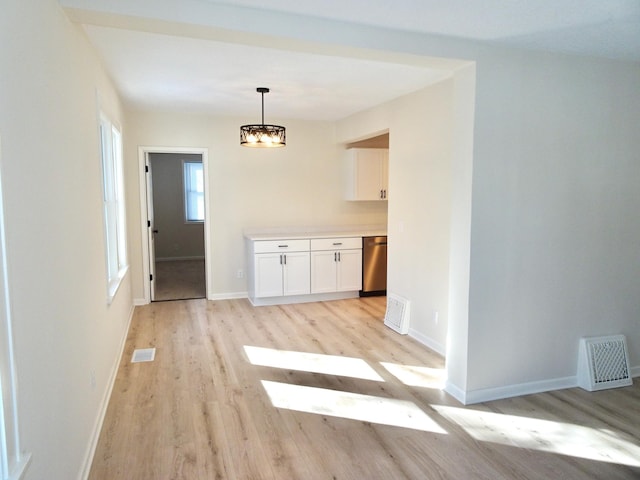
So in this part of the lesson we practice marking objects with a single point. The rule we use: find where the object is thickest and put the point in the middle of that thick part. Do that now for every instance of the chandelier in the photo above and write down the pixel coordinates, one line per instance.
(262, 135)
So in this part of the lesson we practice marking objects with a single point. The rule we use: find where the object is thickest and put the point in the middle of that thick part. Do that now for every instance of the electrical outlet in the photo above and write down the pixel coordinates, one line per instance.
(240, 274)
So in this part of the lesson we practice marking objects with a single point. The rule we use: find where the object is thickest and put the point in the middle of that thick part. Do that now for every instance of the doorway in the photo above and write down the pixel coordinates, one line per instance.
(176, 222)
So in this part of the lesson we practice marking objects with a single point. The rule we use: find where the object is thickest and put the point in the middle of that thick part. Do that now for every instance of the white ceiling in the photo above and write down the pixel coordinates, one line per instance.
(195, 75)
(157, 68)
(607, 28)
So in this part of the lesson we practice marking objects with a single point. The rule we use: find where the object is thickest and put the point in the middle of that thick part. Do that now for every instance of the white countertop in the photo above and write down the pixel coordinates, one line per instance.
(278, 233)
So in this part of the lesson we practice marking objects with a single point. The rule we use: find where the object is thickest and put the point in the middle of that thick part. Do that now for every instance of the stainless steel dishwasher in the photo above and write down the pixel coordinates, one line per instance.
(374, 266)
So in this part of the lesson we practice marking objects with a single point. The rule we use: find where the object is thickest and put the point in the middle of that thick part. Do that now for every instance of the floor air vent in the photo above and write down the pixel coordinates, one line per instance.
(397, 316)
(603, 363)
(143, 355)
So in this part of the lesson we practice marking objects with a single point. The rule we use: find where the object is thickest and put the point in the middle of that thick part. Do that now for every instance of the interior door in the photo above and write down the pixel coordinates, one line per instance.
(151, 229)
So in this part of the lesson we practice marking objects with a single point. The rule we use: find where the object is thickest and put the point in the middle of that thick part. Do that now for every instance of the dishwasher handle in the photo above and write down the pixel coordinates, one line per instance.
(375, 241)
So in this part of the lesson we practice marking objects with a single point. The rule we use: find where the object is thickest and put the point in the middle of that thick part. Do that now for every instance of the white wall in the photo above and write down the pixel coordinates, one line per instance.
(299, 185)
(420, 158)
(555, 229)
(63, 328)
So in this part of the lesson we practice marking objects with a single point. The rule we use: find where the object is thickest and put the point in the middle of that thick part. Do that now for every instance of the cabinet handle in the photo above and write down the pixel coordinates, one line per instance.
(338, 256)
(285, 259)
(283, 246)
(280, 259)
(337, 243)
(381, 193)
(335, 256)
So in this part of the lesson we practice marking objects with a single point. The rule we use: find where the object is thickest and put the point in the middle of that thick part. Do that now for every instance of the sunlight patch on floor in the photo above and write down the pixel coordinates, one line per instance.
(312, 362)
(545, 435)
(367, 408)
(415, 376)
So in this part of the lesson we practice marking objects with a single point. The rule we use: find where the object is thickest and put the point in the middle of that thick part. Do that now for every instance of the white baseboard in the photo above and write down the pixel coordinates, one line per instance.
(456, 392)
(498, 393)
(428, 342)
(104, 403)
(138, 302)
(227, 296)
(508, 391)
(307, 298)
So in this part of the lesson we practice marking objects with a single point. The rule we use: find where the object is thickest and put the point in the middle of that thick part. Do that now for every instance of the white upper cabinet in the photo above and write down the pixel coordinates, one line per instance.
(367, 173)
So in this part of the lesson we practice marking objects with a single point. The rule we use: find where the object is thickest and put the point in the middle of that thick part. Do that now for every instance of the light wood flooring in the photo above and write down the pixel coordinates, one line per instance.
(313, 391)
(179, 280)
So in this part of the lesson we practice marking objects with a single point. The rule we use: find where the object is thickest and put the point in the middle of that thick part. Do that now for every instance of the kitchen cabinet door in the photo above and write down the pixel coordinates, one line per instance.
(368, 172)
(349, 271)
(296, 279)
(278, 274)
(323, 271)
(336, 271)
(268, 275)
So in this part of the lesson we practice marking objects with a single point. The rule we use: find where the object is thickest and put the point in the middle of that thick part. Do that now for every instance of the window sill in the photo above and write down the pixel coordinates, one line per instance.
(20, 469)
(114, 285)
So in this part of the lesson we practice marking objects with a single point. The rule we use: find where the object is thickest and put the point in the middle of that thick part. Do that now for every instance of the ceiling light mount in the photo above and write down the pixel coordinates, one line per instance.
(262, 135)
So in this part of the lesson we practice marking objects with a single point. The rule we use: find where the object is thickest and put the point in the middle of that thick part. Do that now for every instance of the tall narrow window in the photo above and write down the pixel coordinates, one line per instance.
(193, 192)
(13, 461)
(114, 207)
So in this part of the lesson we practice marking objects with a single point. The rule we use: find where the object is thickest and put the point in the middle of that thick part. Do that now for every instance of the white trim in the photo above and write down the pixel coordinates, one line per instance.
(313, 297)
(14, 462)
(142, 187)
(115, 234)
(456, 392)
(427, 342)
(143, 151)
(228, 296)
(114, 286)
(508, 391)
(104, 403)
(20, 468)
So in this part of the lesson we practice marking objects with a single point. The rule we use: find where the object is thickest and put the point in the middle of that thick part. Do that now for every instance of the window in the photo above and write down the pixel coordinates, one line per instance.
(114, 208)
(13, 461)
(193, 177)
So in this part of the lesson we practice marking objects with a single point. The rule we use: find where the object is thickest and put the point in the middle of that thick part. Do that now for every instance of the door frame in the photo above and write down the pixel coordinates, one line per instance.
(143, 155)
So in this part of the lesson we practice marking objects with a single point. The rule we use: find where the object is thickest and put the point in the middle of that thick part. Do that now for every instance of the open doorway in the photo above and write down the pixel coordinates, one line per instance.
(178, 212)
(176, 220)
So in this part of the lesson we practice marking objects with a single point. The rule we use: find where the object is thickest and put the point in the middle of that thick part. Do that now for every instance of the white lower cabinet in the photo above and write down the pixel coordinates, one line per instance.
(307, 269)
(282, 273)
(336, 265)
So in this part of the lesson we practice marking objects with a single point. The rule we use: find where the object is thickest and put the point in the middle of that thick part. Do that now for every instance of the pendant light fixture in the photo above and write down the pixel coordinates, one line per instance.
(262, 135)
